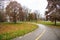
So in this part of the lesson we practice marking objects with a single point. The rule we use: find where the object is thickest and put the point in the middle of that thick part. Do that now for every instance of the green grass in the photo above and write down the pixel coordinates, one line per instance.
(46, 22)
(9, 31)
(49, 23)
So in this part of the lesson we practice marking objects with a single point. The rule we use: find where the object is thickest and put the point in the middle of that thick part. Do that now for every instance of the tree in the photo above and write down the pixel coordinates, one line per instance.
(30, 16)
(13, 10)
(37, 13)
(2, 16)
(53, 10)
(26, 12)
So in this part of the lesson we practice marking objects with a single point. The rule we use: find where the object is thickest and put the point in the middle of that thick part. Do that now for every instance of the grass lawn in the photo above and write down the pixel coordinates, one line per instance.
(10, 30)
(49, 23)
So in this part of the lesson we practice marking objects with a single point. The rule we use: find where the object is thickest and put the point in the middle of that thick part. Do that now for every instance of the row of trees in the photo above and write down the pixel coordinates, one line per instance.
(15, 12)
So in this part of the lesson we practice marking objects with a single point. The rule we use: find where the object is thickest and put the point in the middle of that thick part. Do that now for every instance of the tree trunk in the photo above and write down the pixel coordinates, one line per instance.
(14, 17)
(55, 21)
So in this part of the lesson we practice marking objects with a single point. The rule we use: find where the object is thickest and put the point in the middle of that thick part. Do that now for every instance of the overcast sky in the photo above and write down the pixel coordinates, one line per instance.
(34, 4)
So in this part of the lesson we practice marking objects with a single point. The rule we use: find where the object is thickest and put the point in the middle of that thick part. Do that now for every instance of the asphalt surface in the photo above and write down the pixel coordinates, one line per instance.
(51, 34)
(42, 33)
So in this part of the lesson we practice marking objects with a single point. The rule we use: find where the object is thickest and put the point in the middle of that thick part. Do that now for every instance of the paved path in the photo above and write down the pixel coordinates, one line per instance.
(42, 33)
(51, 34)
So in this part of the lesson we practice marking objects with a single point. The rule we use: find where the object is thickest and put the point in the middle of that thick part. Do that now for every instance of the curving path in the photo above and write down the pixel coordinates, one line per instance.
(42, 33)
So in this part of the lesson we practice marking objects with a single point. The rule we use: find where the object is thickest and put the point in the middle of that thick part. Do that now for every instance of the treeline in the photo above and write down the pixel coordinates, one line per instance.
(14, 12)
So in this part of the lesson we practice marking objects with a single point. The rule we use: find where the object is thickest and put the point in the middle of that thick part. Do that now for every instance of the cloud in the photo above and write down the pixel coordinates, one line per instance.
(34, 4)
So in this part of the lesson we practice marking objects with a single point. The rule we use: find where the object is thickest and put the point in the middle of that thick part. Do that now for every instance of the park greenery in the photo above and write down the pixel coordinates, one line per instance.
(49, 23)
(9, 31)
(17, 20)
(15, 13)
